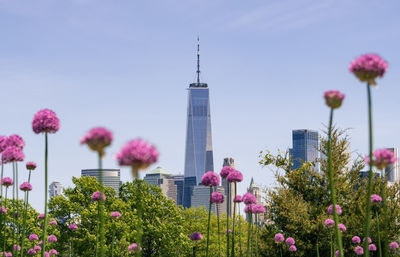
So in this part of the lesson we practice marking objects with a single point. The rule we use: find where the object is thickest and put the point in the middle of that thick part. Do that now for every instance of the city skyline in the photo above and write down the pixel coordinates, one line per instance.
(96, 63)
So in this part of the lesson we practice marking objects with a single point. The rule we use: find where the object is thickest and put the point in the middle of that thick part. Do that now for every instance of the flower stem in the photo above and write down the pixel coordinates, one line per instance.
(1, 180)
(209, 219)
(256, 234)
(249, 233)
(219, 233)
(233, 222)
(332, 186)
(280, 249)
(139, 210)
(24, 222)
(370, 175)
(113, 240)
(194, 251)
(101, 210)
(44, 239)
(4, 229)
(384, 215)
(317, 248)
(228, 185)
(379, 234)
(240, 233)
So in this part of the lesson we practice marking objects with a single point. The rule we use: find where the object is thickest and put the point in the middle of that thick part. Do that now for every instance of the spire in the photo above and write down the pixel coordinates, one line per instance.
(198, 60)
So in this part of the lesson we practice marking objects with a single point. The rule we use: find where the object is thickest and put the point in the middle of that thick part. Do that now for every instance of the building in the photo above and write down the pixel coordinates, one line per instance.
(164, 180)
(111, 177)
(178, 179)
(392, 172)
(201, 197)
(305, 147)
(198, 151)
(229, 198)
(55, 189)
(256, 191)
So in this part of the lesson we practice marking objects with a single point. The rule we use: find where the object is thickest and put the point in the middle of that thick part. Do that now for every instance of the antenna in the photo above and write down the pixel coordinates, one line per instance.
(198, 60)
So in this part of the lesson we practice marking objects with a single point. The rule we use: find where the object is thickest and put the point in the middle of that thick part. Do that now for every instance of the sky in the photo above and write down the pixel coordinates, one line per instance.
(126, 65)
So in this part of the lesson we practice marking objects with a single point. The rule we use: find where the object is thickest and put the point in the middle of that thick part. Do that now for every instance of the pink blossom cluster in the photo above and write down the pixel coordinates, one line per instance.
(368, 67)
(235, 176)
(376, 198)
(329, 222)
(12, 154)
(196, 236)
(31, 165)
(7, 181)
(237, 199)
(6, 254)
(137, 153)
(134, 248)
(210, 178)
(96, 196)
(26, 186)
(225, 171)
(217, 197)
(97, 139)
(382, 158)
(333, 98)
(45, 121)
(249, 198)
(338, 209)
(72, 226)
(52, 239)
(115, 215)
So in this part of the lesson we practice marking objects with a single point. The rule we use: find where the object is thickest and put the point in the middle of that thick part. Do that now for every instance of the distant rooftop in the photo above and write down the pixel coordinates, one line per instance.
(160, 171)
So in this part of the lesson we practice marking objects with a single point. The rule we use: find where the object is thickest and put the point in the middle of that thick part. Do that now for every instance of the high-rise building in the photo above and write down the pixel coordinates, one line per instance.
(55, 189)
(164, 180)
(229, 198)
(198, 152)
(201, 197)
(111, 177)
(178, 179)
(392, 172)
(305, 147)
(256, 191)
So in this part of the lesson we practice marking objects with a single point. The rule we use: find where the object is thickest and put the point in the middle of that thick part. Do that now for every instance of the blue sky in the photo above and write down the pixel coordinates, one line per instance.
(126, 65)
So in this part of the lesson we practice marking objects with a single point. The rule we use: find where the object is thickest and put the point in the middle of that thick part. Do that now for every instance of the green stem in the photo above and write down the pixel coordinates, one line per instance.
(384, 216)
(248, 233)
(227, 217)
(219, 233)
(332, 186)
(379, 235)
(24, 222)
(15, 209)
(209, 219)
(139, 213)
(280, 249)
(194, 251)
(370, 175)
(101, 210)
(4, 229)
(331, 246)
(1, 180)
(317, 248)
(233, 222)
(256, 234)
(44, 237)
(251, 236)
(113, 240)
(240, 233)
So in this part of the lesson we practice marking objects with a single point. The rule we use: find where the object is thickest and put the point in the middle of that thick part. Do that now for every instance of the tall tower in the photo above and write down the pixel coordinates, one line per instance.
(305, 147)
(229, 198)
(198, 152)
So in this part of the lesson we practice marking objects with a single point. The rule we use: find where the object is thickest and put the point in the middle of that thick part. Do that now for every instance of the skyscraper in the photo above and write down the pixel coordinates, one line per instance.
(392, 172)
(178, 180)
(198, 152)
(163, 179)
(229, 198)
(201, 197)
(55, 189)
(305, 147)
(111, 177)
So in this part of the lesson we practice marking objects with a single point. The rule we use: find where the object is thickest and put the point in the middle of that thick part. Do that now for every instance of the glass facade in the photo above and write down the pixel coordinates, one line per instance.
(198, 152)
(111, 177)
(305, 147)
(178, 179)
(392, 172)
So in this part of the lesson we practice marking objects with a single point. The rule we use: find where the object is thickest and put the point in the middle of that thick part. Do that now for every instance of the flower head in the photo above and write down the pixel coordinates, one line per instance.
(53, 223)
(45, 121)
(359, 250)
(33, 237)
(290, 241)
(372, 247)
(393, 245)
(12, 154)
(25, 187)
(196, 236)
(52, 239)
(279, 238)
(249, 198)
(73, 226)
(225, 171)
(356, 240)
(31, 251)
(376, 198)
(249, 208)
(210, 178)
(237, 199)
(3, 210)
(368, 67)
(97, 139)
(342, 227)
(217, 197)
(17, 247)
(338, 209)
(3, 143)
(382, 158)
(333, 98)
(37, 248)
(30, 165)
(53, 252)
(228, 231)
(292, 248)
(15, 140)
(258, 208)
(7, 181)
(115, 215)
(137, 153)
(369, 240)
(133, 248)
(235, 176)
(337, 253)
(40, 216)
(96, 196)
(329, 222)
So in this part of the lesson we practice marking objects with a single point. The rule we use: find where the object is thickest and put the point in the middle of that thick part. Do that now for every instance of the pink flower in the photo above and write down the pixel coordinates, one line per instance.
(217, 197)
(376, 198)
(3, 210)
(33, 237)
(25, 187)
(372, 247)
(53, 223)
(37, 248)
(329, 222)
(196, 236)
(338, 209)
(369, 240)
(337, 253)
(133, 248)
(225, 171)
(12, 154)
(115, 215)
(393, 245)
(7, 181)
(96, 196)
(16, 141)
(40, 216)
(52, 239)
(290, 241)
(235, 176)
(258, 208)
(368, 67)
(210, 178)
(237, 199)
(3, 143)
(45, 121)
(359, 250)
(40, 242)
(137, 153)
(342, 227)
(30, 165)
(382, 158)
(333, 98)
(17, 247)
(356, 240)
(53, 252)
(249, 208)
(46, 254)
(292, 248)
(249, 198)
(279, 238)
(73, 227)
(228, 231)
(31, 252)
(97, 139)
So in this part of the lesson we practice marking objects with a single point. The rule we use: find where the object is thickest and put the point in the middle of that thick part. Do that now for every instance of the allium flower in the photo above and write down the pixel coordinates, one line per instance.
(96, 196)
(46, 254)
(290, 241)
(33, 237)
(342, 227)
(329, 222)
(368, 67)
(73, 227)
(3, 210)
(52, 239)
(225, 171)
(337, 253)
(12, 154)
(53, 223)
(372, 247)
(217, 197)
(249, 208)
(40, 216)
(115, 215)
(3, 143)
(393, 245)
(53, 252)
(7, 181)
(17, 247)
(31, 251)
(137, 153)
(25, 187)
(356, 240)
(97, 139)
(134, 248)
(30, 165)
(235, 176)
(228, 231)
(382, 158)
(17, 141)
(376, 198)
(40, 242)
(37, 248)
(249, 198)
(258, 208)
(279, 238)
(333, 98)
(369, 240)
(338, 209)
(292, 248)
(210, 178)
(237, 199)
(359, 250)
(45, 121)
(196, 236)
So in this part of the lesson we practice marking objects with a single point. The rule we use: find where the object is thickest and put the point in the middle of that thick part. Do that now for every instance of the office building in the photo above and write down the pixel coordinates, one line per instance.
(229, 162)
(392, 172)
(305, 148)
(256, 191)
(201, 197)
(178, 180)
(164, 180)
(111, 177)
(55, 189)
